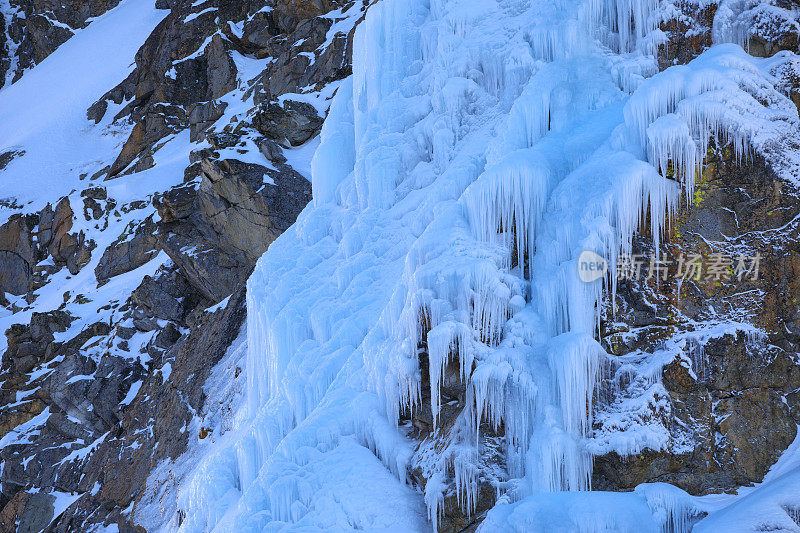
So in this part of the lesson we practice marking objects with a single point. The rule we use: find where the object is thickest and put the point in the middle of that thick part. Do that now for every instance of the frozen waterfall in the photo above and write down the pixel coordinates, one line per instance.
(478, 148)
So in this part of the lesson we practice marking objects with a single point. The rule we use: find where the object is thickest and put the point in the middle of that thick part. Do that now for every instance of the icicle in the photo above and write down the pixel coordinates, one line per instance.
(506, 203)
(674, 510)
(435, 488)
(444, 341)
(459, 178)
(556, 461)
(577, 362)
(335, 158)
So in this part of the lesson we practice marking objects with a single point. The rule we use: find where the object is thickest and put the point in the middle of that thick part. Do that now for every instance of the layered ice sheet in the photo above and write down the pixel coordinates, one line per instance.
(477, 150)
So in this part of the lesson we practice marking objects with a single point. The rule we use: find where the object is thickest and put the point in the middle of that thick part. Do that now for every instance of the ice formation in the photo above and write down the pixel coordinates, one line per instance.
(477, 150)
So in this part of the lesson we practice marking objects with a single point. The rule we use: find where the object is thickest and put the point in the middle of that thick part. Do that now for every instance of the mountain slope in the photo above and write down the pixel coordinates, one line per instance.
(136, 202)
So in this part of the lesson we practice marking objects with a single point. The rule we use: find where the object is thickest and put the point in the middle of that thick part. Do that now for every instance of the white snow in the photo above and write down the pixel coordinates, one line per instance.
(198, 14)
(772, 505)
(44, 113)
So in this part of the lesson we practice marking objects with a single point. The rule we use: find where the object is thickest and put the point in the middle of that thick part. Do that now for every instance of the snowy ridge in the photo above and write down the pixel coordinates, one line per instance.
(478, 149)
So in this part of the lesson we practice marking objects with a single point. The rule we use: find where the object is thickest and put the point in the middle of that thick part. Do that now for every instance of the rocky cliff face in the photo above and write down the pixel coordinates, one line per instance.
(101, 389)
(91, 405)
(727, 398)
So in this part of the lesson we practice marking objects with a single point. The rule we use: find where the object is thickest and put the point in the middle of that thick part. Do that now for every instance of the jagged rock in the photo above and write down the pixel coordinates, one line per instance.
(15, 273)
(145, 324)
(91, 392)
(176, 204)
(67, 388)
(248, 206)
(759, 426)
(172, 74)
(122, 92)
(293, 123)
(113, 378)
(52, 237)
(259, 35)
(7, 157)
(220, 67)
(19, 414)
(83, 401)
(202, 116)
(688, 34)
(159, 121)
(216, 233)
(167, 337)
(17, 255)
(79, 253)
(44, 235)
(290, 13)
(734, 445)
(168, 296)
(161, 406)
(64, 425)
(47, 233)
(43, 325)
(211, 272)
(167, 4)
(126, 333)
(31, 345)
(91, 202)
(271, 151)
(98, 329)
(38, 27)
(61, 243)
(128, 253)
(27, 513)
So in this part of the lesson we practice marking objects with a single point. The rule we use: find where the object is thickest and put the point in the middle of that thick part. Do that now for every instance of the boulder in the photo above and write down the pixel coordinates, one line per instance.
(17, 255)
(29, 346)
(293, 123)
(128, 252)
(27, 513)
(15, 273)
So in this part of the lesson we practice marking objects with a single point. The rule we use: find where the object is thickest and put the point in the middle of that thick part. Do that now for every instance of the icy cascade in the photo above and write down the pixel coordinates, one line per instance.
(477, 150)
(737, 21)
(7, 12)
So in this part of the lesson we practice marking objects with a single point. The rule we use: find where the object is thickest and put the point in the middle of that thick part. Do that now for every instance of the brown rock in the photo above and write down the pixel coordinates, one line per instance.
(759, 427)
(128, 253)
(11, 417)
(17, 255)
(27, 513)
